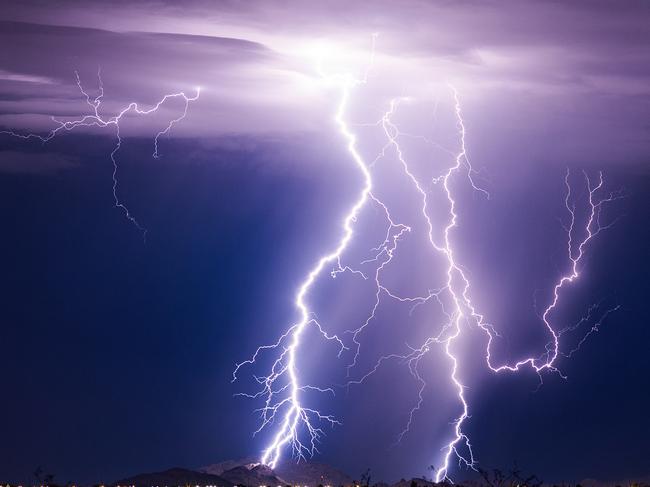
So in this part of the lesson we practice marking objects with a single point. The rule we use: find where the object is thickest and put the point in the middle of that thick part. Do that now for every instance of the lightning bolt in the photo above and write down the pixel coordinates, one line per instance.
(457, 285)
(95, 119)
(285, 400)
(461, 303)
(281, 388)
(575, 250)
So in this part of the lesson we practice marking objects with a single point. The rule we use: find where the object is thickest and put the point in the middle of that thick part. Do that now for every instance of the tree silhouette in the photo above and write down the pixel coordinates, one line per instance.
(365, 478)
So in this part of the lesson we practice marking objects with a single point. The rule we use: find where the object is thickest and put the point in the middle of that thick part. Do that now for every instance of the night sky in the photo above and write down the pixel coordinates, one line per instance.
(118, 351)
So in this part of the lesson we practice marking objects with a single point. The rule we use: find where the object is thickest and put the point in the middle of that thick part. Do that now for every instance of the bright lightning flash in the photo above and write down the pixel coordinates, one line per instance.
(281, 388)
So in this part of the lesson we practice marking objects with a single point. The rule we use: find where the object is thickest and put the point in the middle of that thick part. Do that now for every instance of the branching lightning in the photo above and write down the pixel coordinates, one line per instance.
(575, 253)
(281, 388)
(458, 285)
(95, 119)
(290, 407)
(294, 414)
(451, 330)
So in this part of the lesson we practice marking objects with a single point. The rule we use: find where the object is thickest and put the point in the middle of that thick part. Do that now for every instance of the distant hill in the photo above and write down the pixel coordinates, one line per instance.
(252, 475)
(418, 481)
(221, 467)
(312, 474)
(175, 477)
(246, 471)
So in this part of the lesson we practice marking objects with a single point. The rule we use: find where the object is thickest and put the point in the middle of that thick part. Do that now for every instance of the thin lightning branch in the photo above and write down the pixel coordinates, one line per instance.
(575, 252)
(95, 119)
(387, 251)
(594, 329)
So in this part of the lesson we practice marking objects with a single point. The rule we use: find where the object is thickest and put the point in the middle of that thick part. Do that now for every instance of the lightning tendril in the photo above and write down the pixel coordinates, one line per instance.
(96, 119)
